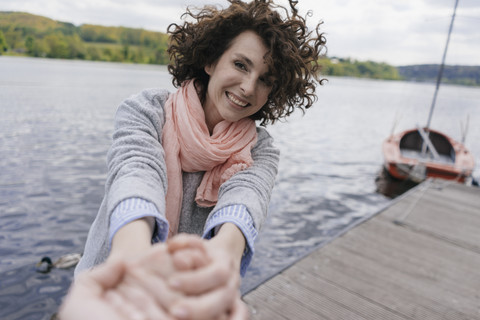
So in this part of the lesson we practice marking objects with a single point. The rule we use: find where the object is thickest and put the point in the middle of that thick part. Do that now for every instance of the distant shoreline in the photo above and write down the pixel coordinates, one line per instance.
(27, 35)
(405, 73)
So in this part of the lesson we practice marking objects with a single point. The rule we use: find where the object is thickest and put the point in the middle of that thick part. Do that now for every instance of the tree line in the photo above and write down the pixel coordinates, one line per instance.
(459, 75)
(359, 69)
(37, 36)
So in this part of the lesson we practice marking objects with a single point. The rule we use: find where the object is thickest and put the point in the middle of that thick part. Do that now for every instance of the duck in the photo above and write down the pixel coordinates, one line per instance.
(45, 265)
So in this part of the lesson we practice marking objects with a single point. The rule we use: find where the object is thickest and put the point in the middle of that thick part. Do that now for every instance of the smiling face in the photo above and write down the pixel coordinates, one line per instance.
(238, 85)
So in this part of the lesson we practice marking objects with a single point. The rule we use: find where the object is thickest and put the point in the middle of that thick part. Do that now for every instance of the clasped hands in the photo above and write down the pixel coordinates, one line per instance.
(185, 278)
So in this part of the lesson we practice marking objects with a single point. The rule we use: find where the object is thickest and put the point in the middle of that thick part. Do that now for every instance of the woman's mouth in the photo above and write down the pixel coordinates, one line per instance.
(237, 101)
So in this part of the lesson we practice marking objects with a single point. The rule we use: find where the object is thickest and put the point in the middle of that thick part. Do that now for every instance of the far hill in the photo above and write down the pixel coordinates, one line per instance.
(464, 75)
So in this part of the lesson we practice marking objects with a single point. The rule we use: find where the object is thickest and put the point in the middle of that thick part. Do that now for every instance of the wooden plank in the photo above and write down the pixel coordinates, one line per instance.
(260, 306)
(448, 211)
(431, 267)
(280, 304)
(297, 295)
(458, 198)
(394, 290)
(438, 215)
(426, 268)
(337, 302)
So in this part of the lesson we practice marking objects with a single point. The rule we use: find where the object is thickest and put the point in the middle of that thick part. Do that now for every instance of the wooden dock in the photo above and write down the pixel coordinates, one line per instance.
(417, 259)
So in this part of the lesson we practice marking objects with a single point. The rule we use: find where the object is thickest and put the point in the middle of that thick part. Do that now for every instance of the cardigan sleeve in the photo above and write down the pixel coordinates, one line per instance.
(135, 160)
(136, 168)
(253, 186)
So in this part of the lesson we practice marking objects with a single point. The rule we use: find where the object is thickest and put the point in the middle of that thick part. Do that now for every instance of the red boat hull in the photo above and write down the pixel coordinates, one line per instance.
(404, 160)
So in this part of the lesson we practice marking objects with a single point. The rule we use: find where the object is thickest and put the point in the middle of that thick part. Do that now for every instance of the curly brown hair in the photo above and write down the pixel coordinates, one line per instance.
(293, 50)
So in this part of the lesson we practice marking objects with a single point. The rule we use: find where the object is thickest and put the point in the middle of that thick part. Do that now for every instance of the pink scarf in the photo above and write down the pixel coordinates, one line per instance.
(189, 147)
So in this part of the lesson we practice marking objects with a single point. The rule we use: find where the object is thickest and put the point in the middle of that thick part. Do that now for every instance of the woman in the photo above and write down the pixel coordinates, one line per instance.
(232, 66)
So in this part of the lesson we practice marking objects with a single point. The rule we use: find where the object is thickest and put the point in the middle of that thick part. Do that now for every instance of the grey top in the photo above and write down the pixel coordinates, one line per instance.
(136, 168)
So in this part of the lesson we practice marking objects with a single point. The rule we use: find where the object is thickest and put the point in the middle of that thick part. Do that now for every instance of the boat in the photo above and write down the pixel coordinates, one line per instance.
(420, 153)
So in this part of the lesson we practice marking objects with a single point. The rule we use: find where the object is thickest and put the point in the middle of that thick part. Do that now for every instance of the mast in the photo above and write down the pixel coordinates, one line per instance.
(440, 71)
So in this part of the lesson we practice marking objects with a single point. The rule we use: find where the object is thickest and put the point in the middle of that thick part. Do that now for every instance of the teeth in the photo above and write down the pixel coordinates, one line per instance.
(236, 101)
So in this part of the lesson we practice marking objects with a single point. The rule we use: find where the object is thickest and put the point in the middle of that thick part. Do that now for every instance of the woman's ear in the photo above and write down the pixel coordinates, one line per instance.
(208, 69)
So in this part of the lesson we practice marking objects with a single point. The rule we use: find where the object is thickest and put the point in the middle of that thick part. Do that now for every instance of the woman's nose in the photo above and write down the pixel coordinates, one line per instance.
(248, 86)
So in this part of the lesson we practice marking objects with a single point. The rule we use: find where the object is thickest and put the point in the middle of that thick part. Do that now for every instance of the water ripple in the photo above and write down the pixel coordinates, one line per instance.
(54, 138)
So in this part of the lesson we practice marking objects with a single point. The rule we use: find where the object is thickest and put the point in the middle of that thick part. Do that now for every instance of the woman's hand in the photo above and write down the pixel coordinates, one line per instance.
(145, 284)
(212, 287)
(188, 278)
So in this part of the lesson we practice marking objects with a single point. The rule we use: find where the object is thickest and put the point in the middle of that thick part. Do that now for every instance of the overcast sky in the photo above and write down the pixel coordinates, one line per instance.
(398, 32)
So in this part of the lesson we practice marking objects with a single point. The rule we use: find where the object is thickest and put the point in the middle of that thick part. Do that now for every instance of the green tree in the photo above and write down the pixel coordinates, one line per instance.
(39, 48)
(160, 55)
(125, 51)
(14, 38)
(30, 45)
(3, 43)
(57, 46)
(76, 47)
(88, 33)
(107, 54)
(139, 57)
(93, 54)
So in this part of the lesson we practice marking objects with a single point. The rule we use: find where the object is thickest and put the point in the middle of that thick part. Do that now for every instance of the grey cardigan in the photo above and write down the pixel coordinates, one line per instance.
(136, 168)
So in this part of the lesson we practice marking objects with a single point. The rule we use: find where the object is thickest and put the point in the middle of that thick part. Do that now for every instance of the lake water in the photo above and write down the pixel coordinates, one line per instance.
(56, 120)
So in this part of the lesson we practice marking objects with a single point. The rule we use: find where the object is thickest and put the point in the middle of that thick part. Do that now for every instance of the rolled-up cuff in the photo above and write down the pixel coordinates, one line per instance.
(133, 209)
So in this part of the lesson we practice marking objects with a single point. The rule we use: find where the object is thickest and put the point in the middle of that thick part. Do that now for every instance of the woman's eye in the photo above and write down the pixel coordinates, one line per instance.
(266, 81)
(240, 65)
